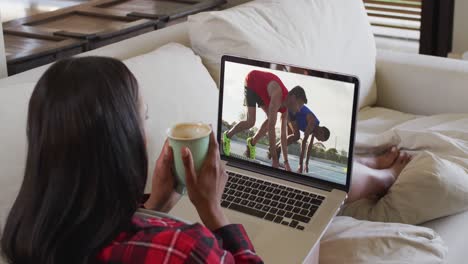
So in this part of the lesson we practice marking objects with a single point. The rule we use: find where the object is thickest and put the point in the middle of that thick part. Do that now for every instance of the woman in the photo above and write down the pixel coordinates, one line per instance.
(85, 176)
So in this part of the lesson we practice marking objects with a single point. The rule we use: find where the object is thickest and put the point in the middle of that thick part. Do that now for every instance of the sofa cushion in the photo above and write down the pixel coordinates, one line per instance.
(177, 88)
(331, 35)
(372, 242)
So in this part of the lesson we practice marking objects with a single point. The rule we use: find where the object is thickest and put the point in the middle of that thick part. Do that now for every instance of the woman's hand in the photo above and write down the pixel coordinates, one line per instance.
(163, 196)
(206, 188)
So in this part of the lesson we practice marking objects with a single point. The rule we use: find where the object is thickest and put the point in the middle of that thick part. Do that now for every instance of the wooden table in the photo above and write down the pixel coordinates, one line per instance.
(37, 40)
(27, 51)
(172, 9)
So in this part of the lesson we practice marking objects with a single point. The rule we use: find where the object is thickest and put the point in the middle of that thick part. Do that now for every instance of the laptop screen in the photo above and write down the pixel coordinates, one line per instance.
(288, 118)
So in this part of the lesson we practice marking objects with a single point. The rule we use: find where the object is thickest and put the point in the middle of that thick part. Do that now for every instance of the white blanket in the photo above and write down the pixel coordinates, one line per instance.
(434, 184)
(440, 134)
(354, 242)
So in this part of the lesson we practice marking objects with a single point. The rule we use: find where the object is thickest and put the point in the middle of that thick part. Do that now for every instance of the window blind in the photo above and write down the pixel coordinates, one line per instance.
(399, 19)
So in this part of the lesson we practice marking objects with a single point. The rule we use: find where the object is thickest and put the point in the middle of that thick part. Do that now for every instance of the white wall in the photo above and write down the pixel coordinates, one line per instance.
(460, 30)
(3, 67)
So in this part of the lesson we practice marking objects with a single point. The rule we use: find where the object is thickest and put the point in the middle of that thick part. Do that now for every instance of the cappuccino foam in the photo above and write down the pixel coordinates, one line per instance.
(189, 131)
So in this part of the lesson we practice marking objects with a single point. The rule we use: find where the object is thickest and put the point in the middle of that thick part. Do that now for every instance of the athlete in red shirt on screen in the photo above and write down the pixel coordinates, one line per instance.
(266, 90)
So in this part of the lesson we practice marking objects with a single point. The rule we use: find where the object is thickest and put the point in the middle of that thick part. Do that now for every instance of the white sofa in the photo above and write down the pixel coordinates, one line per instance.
(419, 85)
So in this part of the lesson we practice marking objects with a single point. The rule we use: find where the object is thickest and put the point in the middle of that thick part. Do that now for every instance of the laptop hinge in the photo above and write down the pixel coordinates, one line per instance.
(282, 176)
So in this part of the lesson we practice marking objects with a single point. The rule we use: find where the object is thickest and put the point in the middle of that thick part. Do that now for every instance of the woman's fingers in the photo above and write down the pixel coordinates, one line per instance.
(225, 177)
(165, 146)
(190, 175)
(214, 147)
(168, 154)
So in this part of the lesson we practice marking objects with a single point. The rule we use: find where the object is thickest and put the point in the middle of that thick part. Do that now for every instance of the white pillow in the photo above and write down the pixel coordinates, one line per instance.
(177, 88)
(331, 35)
(350, 241)
(429, 187)
(14, 100)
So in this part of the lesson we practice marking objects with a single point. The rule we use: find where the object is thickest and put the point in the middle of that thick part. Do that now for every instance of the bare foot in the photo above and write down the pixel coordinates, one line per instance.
(382, 161)
(372, 183)
(387, 177)
(399, 164)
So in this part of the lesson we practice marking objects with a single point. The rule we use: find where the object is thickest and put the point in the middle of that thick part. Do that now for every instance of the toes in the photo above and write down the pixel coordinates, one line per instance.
(394, 152)
(405, 158)
(397, 150)
(402, 157)
(409, 158)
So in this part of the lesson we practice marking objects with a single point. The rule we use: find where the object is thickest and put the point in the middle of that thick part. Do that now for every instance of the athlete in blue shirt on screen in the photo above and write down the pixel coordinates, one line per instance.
(301, 118)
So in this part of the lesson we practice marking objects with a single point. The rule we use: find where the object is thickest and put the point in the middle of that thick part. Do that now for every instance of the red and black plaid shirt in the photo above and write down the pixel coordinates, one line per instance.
(164, 240)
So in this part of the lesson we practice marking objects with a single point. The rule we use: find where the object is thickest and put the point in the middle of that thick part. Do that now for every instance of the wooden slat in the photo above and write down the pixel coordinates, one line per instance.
(404, 10)
(394, 26)
(398, 2)
(26, 31)
(393, 10)
(394, 17)
(23, 46)
(416, 3)
(104, 13)
(160, 9)
(191, 2)
(201, 6)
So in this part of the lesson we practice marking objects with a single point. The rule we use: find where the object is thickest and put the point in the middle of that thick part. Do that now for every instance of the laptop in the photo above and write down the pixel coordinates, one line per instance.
(285, 213)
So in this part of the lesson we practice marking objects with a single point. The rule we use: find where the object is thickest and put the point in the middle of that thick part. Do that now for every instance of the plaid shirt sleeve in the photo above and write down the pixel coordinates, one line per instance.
(229, 245)
(234, 239)
(163, 240)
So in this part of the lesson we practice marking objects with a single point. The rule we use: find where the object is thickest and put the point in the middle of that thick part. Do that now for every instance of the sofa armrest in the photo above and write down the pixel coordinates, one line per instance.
(422, 85)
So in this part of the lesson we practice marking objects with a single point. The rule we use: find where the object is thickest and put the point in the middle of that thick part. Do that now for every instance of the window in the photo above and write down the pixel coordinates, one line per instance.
(418, 26)
(396, 23)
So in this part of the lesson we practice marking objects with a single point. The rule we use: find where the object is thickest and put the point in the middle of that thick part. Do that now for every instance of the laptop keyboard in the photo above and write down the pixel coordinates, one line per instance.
(273, 202)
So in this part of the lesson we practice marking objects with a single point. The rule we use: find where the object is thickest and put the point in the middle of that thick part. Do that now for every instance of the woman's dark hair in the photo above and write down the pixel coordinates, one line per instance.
(86, 165)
